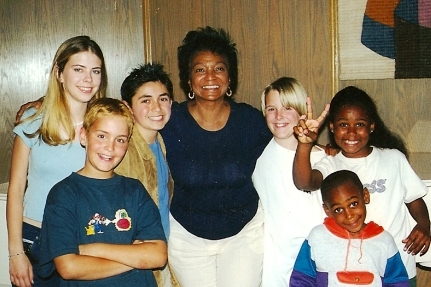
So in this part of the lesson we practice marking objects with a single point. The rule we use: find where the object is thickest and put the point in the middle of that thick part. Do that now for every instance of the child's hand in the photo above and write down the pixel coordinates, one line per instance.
(307, 128)
(417, 241)
(35, 104)
(304, 133)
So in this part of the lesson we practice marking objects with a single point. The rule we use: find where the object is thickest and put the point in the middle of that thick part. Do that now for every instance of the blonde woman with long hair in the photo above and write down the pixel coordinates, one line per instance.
(46, 149)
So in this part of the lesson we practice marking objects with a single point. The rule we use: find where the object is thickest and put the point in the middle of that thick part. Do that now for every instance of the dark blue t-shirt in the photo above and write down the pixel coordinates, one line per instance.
(82, 210)
(214, 197)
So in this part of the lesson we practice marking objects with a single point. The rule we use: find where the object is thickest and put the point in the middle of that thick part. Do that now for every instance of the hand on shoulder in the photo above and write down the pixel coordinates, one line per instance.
(34, 104)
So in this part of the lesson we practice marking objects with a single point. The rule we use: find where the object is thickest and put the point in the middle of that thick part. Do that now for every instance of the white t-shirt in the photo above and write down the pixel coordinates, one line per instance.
(290, 214)
(391, 181)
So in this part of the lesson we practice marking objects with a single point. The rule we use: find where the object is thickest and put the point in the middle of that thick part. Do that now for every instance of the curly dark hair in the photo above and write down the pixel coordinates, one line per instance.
(141, 75)
(382, 137)
(210, 39)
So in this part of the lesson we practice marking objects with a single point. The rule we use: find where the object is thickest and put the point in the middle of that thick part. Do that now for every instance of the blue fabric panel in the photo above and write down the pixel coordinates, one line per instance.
(378, 37)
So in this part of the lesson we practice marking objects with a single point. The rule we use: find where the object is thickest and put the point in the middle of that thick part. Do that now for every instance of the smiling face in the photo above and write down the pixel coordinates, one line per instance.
(151, 108)
(281, 120)
(346, 204)
(352, 128)
(81, 77)
(209, 76)
(106, 143)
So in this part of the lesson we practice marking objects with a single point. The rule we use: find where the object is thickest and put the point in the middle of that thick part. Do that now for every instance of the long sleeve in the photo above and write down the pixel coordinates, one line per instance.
(395, 273)
(304, 271)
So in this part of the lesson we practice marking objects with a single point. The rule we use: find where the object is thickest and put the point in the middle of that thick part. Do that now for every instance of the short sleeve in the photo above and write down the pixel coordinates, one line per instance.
(28, 127)
(58, 234)
(149, 225)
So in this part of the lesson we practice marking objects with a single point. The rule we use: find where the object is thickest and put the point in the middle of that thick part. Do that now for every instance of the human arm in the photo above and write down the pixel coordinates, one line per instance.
(100, 260)
(395, 272)
(61, 217)
(20, 268)
(35, 104)
(304, 177)
(81, 267)
(419, 238)
(146, 254)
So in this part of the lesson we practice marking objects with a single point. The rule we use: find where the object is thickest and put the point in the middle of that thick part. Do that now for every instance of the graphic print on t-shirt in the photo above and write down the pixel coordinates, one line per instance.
(376, 186)
(122, 222)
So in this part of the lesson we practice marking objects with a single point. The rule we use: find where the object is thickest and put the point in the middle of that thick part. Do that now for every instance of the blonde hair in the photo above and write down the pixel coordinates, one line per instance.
(57, 126)
(108, 107)
(292, 94)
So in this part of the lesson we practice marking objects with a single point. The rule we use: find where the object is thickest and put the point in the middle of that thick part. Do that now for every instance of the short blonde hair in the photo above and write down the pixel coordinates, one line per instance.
(108, 107)
(292, 94)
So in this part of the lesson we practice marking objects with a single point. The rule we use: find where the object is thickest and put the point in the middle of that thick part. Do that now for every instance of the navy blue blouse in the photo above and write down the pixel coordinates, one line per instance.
(214, 197)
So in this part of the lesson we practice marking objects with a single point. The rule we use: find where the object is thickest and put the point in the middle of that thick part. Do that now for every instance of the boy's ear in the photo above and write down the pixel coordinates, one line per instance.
(124, 102)
(328, 213)
(83, 137)
(366, 195)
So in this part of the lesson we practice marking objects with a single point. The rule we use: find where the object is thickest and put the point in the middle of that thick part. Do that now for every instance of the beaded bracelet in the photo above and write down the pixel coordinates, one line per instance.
(12, 255)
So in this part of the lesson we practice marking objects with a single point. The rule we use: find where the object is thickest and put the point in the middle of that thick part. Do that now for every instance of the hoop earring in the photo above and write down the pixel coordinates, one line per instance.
(229, 92)
(191, 95)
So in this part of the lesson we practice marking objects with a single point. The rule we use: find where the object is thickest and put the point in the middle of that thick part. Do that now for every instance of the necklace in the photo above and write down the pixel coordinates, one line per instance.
(77, 124)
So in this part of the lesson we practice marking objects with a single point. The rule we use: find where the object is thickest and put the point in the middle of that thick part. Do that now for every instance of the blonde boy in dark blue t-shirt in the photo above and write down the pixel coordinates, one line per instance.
(99, 228)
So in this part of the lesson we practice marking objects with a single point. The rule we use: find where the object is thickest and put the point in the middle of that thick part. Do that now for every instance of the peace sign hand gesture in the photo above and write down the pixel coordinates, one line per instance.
(307, 128)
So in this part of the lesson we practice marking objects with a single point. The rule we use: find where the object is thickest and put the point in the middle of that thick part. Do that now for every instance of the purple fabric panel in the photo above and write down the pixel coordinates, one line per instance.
(322, 279)
(299, 279)
(424, 13)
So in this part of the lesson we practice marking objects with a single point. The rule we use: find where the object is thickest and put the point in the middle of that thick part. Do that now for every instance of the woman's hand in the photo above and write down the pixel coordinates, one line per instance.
(20, 271)
(307, 128)
(35, 104)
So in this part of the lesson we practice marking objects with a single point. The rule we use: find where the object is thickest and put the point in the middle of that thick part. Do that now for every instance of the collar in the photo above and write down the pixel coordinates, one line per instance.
(143, 148)
(371, 229)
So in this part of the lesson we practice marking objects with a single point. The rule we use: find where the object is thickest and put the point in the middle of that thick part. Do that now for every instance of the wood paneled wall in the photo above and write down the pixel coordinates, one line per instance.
(31, 32)
(293, 38)
(274, 38)
(405, 107)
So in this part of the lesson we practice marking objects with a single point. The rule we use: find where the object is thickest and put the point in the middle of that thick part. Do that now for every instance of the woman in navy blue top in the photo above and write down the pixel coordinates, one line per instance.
(212, 146)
